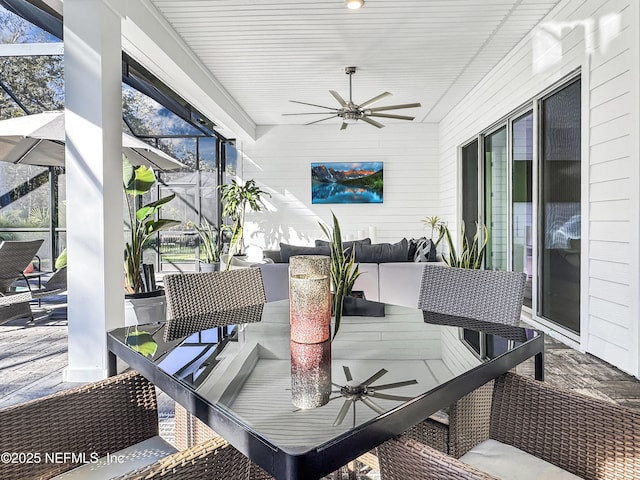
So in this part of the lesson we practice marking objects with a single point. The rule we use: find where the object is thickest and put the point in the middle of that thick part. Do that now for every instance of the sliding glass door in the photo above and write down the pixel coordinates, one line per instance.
(522, 200)
(560, 220)
(522, 178)
(495, 199)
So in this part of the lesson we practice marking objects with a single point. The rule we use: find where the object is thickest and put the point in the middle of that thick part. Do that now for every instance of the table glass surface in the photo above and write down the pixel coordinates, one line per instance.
(245, 369)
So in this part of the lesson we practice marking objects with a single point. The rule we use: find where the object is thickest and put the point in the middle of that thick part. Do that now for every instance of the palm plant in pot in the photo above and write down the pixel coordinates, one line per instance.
(235, 199)
(471, 254)
(138, 180)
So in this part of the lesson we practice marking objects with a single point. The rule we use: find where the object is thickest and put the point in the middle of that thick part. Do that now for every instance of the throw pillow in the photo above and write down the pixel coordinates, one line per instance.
(413, 244)
(425, 251)
(382, 252)
(287, 251)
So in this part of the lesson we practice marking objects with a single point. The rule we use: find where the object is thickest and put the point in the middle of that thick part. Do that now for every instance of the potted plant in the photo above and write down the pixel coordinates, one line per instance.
(142, 300)
(471, 254)
(235, 198)
(344, 270)
(210, 246)
(436, 226)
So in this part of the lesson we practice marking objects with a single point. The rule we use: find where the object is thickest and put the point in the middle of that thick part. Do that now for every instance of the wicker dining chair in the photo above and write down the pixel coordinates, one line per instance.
(104, 418)
(587, 437)
(15, 257)
(488, 297)
(196, 300)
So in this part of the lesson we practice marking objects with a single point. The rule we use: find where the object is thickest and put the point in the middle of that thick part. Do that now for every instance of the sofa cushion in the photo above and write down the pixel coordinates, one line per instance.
(347, 246)
(287, 251)
(399, 282)
(383, 252)
(510, 463)
(121, 462)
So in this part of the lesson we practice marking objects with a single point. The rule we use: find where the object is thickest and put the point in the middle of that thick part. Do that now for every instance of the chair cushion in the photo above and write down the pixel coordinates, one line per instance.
(510, 463)
(121, 462)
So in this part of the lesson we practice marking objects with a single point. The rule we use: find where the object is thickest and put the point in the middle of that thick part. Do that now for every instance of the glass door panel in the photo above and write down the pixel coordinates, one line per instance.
(495, 157)
(470, 188)
(559, 270)
(522, 199)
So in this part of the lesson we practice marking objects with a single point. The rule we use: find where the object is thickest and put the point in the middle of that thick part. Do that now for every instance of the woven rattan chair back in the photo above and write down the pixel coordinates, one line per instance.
(486, 295)
(197, 301)
(15, 257)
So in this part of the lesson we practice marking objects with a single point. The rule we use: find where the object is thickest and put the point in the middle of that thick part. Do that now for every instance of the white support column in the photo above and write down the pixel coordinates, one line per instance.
(93, 116)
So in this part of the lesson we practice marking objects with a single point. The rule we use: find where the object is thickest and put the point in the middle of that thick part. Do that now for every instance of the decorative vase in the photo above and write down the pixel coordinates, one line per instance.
(310, 374)
(309, 308)
(314, 264)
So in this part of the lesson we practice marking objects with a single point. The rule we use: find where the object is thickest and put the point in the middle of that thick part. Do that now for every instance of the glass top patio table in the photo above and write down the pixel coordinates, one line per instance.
(386, 375)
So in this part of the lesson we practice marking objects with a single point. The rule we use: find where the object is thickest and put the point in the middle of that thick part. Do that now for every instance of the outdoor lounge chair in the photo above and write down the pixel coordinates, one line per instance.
(590, 438)
(15, 257)
(19, 301)
(76, 426)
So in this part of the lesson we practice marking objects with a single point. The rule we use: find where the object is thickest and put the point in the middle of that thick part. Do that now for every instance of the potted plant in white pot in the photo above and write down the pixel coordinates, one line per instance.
(210, 246)
(144, 302)
(235, 198)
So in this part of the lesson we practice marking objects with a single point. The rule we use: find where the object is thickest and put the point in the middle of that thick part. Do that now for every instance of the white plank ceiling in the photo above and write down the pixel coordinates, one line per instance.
(267, 52)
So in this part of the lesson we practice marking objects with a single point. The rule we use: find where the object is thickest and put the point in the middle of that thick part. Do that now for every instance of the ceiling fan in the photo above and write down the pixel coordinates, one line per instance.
(350, 112)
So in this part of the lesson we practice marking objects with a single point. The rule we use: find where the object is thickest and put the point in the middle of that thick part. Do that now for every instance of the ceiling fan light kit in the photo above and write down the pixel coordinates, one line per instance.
(353, 4)
(350, 112)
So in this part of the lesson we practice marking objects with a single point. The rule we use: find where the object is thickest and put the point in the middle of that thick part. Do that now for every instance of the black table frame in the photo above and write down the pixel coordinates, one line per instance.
(317, 463)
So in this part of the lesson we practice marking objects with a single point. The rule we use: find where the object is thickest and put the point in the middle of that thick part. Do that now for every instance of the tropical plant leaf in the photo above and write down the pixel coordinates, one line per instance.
(137, 180)
(141, 342)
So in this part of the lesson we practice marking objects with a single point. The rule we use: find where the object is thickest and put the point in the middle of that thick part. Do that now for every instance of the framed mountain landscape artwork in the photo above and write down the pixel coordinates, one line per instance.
(346, 182)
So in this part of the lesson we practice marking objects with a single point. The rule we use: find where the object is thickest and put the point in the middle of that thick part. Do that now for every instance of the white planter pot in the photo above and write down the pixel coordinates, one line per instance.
(145, 309)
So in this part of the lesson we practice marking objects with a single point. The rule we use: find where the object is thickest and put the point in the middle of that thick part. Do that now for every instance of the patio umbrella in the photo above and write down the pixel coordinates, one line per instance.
(38, 139)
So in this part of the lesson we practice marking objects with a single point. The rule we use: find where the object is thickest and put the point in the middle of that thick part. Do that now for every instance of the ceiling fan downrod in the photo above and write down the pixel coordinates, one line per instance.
(350, 71)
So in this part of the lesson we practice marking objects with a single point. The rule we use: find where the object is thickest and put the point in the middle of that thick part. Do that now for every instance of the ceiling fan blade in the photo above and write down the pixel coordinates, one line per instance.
(395, 385)
(388, 115)
(313, 105)
(343, 412)
(394, 107)
(375, 377)
(337, 96)
(306, 113)
(386, 396)
(372, 405)
(374, 99)
(322, 120)
(372, 122)
(344, 126)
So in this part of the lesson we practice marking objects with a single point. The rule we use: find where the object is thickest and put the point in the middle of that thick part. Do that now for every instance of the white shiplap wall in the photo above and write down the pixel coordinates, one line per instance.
(607, 50)
(280, 162)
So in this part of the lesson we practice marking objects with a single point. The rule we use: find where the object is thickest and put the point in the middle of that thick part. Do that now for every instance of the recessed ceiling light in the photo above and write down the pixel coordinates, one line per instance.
(353, 4)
